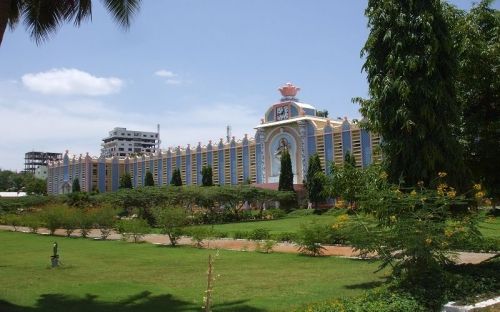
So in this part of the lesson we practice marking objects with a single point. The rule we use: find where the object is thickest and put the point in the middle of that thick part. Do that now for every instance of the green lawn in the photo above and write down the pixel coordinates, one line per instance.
(490, 227)
(287, 224)
(103, 276)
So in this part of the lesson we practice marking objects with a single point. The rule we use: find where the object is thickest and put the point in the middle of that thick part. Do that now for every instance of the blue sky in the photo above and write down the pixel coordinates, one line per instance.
(193, 66)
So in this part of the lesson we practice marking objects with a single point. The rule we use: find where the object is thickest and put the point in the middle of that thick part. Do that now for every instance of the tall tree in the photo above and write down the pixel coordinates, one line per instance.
(126, 181)
(149, 180)
(206, 176)
(75, 187)
(286, 174)
(43, 17)
(411, 69)
(349, 159)
(476, 37)
(314, 180)
(176, 178)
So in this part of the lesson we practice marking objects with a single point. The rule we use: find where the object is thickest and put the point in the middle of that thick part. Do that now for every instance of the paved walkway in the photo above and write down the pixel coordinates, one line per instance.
(248, 245)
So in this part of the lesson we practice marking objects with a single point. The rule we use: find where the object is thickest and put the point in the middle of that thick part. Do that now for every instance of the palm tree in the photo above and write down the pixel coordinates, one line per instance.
(42, 17)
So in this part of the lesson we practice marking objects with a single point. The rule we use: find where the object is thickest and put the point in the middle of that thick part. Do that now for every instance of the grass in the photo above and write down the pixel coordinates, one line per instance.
(103, 276)
(490, 227)
(287, 224)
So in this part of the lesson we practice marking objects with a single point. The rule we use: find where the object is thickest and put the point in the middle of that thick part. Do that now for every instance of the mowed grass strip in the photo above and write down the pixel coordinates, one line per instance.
(287, 224)
(118, 276)
(489, 227)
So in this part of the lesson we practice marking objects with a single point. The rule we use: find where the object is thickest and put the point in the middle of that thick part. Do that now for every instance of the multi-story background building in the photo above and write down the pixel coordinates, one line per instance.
(33, 160)
(287, 124)
(122, 142)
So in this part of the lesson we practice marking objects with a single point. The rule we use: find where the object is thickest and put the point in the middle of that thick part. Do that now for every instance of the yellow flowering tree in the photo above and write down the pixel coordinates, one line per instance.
(412, 229)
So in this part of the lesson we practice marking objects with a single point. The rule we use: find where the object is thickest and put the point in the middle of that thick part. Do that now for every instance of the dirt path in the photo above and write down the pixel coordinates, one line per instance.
(247, 245)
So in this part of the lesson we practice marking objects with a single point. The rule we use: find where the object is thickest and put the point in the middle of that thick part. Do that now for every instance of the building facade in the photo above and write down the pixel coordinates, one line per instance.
(122, 142)
(33, 160)
(288, 124)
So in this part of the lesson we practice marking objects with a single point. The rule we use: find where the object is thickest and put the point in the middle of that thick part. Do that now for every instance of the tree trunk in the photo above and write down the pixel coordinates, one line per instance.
(4, 17)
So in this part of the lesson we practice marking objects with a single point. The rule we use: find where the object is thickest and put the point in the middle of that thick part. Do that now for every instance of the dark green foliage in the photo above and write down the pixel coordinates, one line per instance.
(286, 174)
(149, 180)
(411, 70)
(12, 204)
(314, 180)
(259, 234)
(43, 18)
(477, 44)
(18, 182)
(380, 300)
(349, 159)
(75, 187)
(126, 181)
(171, 221)
(176, 178)
(206, 176)
(80, 199)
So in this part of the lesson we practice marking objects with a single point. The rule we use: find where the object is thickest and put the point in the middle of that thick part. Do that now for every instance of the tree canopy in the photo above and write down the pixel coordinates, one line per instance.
(410, 66)
(42, 18)
(286, 174)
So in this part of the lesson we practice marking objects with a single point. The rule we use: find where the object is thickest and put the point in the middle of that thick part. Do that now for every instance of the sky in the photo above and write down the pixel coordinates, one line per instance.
(192, 66)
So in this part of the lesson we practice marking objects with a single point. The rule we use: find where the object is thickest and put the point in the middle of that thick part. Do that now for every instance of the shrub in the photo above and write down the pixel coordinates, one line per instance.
(70, 220)
(274, 213)
(265, 246)
(311, 237)
(85, 222)
(285, 237)
(241, 235)
(380, 300)
(53, 217)
(171, 220)
(104, 220)
(33, 221)
(259, 234)
(301, 213)
(135, 229)
(198, 234)
(13, 220)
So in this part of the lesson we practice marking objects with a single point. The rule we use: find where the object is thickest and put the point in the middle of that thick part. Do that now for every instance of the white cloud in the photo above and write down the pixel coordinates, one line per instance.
(79, 124)
(171, 78)
(165, 73)
(173, 81)
(71, 81)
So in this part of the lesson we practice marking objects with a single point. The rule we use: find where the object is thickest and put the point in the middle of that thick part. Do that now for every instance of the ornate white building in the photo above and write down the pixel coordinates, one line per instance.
(288, 123)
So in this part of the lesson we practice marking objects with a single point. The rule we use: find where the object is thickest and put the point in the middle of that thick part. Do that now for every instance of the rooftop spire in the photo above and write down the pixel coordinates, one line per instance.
(288, 92)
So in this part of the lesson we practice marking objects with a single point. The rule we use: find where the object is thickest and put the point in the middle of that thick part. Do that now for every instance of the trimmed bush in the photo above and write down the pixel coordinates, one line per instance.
(311, 238)
(259, 234)
(135, 229)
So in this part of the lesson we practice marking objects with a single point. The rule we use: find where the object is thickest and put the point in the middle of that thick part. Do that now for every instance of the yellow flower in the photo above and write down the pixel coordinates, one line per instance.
(448, 233)
(479, 195)
(477, 187)
(451, 194)
(428, 241)
(343, 218)
(487, 202)
(383, 175)
(339, 204)
(413, 193)
(442, 174)
(393, 218)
